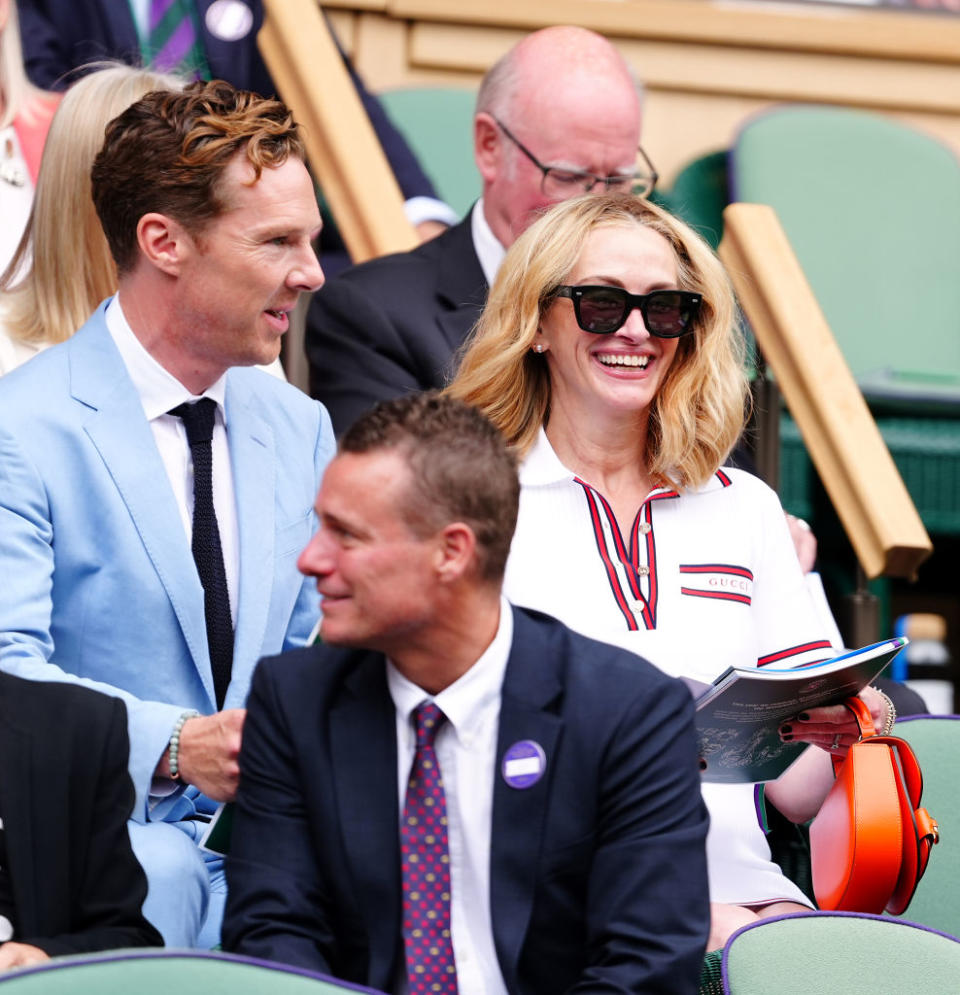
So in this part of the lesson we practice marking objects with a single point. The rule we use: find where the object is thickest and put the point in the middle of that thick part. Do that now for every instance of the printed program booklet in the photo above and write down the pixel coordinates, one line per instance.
(740, 714)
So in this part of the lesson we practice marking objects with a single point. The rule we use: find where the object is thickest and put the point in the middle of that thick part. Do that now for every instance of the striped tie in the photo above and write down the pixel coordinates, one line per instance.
(173, 43)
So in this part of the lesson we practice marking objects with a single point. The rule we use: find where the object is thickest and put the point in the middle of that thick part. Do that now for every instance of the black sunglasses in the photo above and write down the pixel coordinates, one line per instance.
(668, 314)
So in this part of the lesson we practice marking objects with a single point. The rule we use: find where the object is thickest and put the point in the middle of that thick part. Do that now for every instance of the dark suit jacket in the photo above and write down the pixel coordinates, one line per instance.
(392, 325)
(60, 35)
(65, 797)
(598, 871)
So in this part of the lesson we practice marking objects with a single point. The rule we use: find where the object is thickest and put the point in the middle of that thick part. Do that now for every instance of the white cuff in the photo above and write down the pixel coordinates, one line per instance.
(420, 209)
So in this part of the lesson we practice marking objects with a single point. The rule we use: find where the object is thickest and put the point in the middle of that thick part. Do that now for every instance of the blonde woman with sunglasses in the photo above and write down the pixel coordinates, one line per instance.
(609, 356)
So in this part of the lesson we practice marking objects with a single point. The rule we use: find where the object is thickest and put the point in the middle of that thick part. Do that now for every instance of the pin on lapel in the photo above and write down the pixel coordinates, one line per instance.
(523, 764)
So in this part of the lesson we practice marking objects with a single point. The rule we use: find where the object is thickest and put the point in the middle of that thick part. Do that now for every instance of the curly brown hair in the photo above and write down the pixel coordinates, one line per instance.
(168, 152)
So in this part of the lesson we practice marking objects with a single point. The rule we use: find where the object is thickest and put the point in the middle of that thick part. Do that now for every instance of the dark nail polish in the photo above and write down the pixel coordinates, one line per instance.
(787, 738)
(786, 729)
(803, 717)
(703, 764)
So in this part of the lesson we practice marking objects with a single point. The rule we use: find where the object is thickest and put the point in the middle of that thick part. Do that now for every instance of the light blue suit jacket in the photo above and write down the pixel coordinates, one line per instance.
(97, 582)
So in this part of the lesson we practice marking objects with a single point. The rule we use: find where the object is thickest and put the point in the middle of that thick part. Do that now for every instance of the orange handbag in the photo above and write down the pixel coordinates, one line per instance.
(870, 841)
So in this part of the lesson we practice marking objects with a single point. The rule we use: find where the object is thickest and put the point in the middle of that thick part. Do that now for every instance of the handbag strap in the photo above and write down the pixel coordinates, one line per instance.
(864, 720)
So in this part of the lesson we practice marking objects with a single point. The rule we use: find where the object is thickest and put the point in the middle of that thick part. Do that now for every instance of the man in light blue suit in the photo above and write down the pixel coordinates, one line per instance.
(210, 215)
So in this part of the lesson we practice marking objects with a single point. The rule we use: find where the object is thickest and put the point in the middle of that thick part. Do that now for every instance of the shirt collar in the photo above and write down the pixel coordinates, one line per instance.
(464, 702)
(159, 390)
(542, 467)
(486, 245)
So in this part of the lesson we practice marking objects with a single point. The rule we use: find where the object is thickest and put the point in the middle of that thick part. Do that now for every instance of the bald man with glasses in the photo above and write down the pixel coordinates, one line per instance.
(557, 116)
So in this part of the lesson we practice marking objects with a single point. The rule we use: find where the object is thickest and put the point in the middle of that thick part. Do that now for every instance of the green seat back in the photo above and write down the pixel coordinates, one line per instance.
(437, 123)
(699, 194)
(872, 210)
(827, 952)
(936, 741)
(129, 972)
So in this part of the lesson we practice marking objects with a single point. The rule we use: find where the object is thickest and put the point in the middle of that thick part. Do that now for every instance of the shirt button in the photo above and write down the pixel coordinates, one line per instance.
(644, 528)
(642, 571)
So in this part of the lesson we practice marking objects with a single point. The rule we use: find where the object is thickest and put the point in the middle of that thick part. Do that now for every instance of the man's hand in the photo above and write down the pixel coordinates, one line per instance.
(20, 955)
(804, 542)
(209, 747)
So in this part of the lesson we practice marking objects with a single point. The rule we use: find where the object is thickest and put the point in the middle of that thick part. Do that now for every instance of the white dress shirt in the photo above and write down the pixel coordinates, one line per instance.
(486, 245)
(466, 748)
(159, 392)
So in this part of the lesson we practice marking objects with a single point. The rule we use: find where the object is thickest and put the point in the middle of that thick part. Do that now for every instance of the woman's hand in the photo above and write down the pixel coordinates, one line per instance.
(833, 728)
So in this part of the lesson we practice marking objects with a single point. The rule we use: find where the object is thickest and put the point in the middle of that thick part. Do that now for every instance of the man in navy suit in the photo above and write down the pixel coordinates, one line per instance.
(450, 794)
(109, 505)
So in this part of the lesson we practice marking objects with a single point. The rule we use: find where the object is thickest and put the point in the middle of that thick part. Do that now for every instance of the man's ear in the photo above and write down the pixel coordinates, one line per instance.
(487, 146)
(456, 552)
(163, 242)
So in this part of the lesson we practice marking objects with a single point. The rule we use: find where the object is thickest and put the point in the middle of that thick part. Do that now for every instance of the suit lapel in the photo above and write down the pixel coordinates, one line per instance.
(117, 427)
(364, 757)
(253, 462)
(461, 285)
(531, 685)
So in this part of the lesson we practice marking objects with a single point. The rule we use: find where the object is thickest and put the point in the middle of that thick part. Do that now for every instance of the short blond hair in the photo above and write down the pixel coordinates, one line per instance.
(62, 268)
(699, 412)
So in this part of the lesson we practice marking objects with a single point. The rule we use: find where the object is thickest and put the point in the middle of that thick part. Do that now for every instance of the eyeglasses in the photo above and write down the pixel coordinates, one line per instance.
(668, 314)
(560, 183)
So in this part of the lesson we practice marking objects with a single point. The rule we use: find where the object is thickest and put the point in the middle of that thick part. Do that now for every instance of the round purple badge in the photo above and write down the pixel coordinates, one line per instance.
(524, 764)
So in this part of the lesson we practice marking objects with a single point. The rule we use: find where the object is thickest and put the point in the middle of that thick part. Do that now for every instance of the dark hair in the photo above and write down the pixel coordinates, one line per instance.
(460, 469)
(168, 152)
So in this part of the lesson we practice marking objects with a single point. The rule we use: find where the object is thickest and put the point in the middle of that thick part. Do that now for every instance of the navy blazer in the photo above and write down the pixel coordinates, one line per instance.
(393, 325)
(60, 35)
(65, 797)
(598, 871)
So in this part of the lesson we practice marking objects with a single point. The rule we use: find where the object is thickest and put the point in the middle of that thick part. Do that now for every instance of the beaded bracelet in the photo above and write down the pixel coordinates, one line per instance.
(174, 754)
(891, 712)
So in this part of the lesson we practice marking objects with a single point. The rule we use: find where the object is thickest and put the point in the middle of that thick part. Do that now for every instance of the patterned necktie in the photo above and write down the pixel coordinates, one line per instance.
(198, 420)
(173, 43)
(425, 858)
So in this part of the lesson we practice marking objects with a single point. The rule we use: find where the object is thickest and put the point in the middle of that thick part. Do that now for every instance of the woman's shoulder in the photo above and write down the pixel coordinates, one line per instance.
(737, 485)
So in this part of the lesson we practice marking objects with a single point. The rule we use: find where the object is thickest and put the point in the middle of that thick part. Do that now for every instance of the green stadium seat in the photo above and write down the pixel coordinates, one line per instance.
(839, 952)
(936, 741)
(872, 209)
(437, 123)
(160, 972)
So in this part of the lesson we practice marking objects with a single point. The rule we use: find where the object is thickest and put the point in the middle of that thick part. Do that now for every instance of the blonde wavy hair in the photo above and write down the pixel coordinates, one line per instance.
(699, 412)
(62, 268)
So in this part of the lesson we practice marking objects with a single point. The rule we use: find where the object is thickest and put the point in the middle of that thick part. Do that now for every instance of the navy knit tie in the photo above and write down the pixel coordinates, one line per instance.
(198, 420)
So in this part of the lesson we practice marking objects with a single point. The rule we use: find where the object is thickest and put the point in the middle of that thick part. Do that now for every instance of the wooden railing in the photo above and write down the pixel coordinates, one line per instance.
(344, 153)
(840, 434)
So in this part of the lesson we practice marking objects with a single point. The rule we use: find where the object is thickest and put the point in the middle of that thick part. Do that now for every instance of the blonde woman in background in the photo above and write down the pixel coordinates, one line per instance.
(63, 269)
(608, 355)
(25, 113)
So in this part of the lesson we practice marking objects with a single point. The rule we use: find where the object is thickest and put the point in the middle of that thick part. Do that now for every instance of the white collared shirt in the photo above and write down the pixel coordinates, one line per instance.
(159, 392)
(486, 245)
(466, 748)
